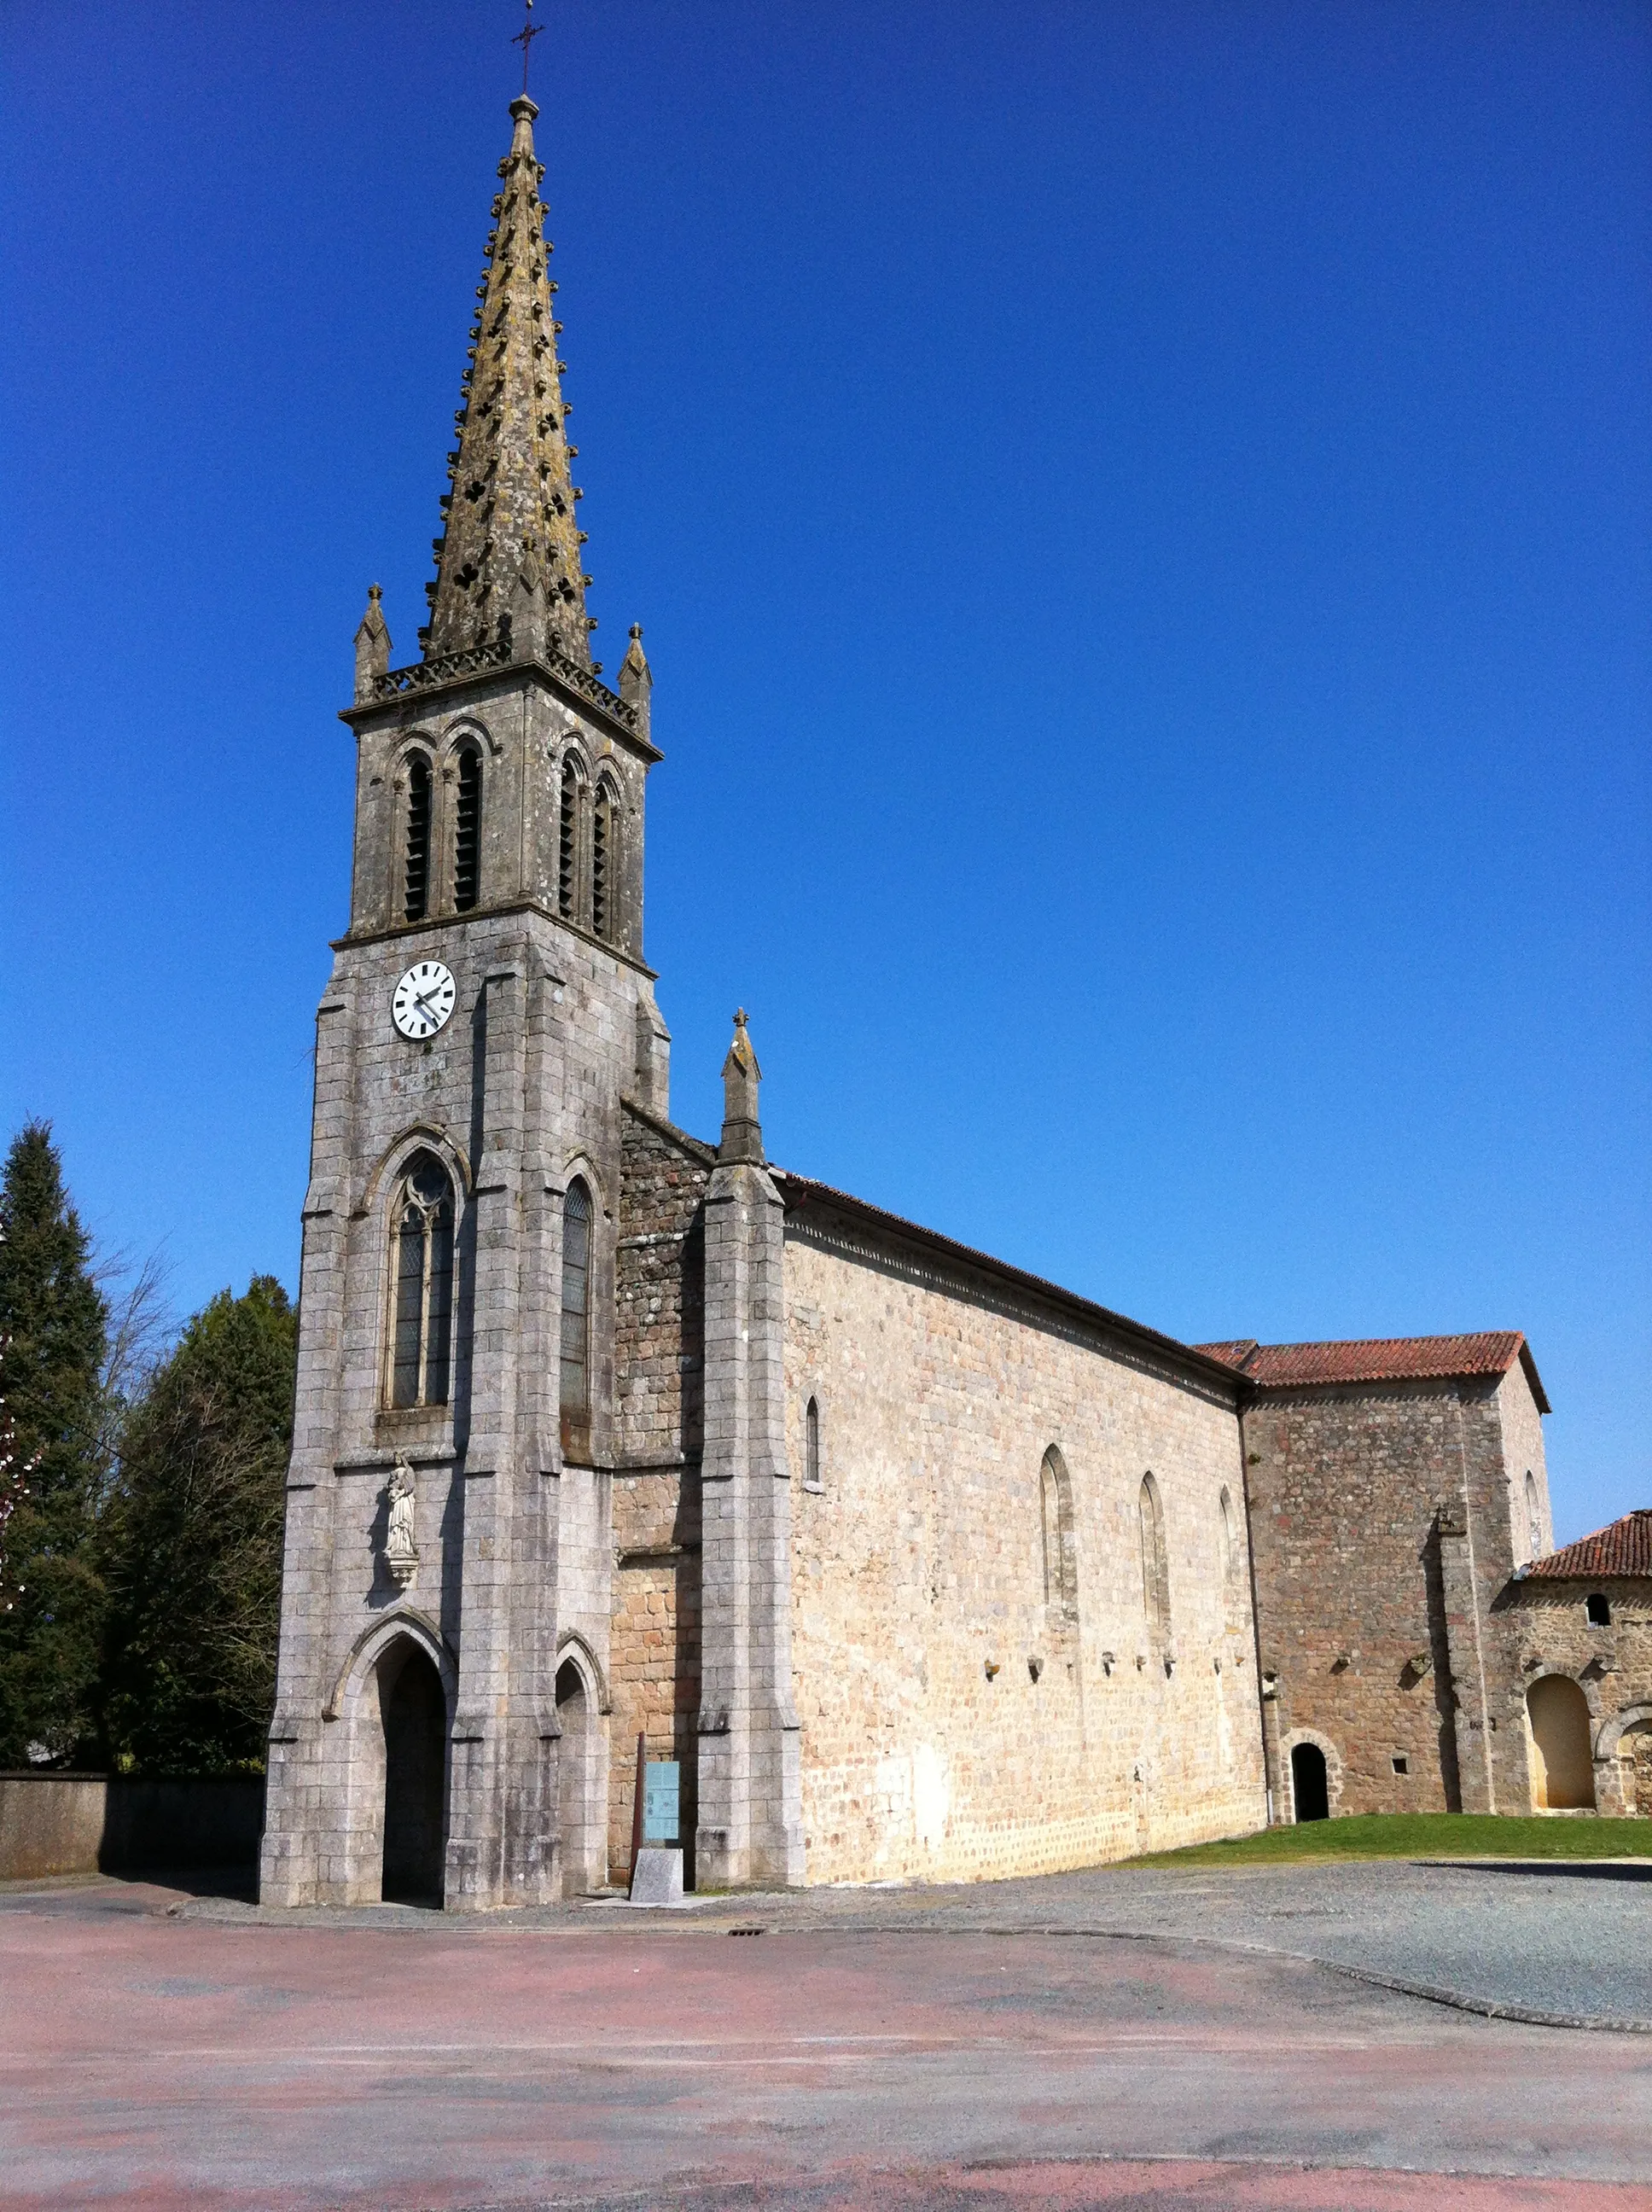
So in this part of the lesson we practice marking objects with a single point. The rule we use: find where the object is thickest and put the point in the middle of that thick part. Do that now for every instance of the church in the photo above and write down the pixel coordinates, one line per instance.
(917, 1566)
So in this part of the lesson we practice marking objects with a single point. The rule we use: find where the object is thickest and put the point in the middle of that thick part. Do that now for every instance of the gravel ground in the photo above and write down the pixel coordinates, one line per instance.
(1561, 1942)
(1568, 1941)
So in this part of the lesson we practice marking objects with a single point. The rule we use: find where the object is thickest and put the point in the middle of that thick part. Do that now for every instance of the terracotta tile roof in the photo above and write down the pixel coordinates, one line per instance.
(1232, 1351)
(1624, 1548)
(1379, 1359)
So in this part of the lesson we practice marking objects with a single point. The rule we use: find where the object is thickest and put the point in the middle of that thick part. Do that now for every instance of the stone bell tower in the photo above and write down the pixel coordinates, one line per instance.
(489, 1008)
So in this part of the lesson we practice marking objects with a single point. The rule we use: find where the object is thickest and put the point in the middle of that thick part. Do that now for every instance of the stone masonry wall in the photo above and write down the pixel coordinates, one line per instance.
(1523, 1453)
(654, 1635)
(954, 1724)
(1382, 1529)
(1611, 1665)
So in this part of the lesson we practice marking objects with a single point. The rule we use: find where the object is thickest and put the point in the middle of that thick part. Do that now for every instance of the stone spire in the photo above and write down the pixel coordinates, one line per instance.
(508, 563)
(743, 1136)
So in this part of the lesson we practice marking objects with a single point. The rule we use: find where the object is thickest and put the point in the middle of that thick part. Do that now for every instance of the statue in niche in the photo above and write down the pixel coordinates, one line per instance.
(401, 1552)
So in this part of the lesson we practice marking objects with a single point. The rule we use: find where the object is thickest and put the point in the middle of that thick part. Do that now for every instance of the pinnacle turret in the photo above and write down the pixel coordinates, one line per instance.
(508, 563)
(743, 1136)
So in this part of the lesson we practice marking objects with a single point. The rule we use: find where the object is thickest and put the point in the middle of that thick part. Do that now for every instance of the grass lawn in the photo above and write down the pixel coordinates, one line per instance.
(1422, 1836)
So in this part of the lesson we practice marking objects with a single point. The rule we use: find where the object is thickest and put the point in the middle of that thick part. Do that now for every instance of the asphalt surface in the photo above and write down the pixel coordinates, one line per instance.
(162, 2050)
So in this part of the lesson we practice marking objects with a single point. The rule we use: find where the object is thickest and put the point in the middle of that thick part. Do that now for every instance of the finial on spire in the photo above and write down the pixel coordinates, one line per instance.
(743, 1136)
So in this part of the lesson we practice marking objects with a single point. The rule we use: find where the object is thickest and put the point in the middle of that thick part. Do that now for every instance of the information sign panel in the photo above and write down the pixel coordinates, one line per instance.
(660, 1801)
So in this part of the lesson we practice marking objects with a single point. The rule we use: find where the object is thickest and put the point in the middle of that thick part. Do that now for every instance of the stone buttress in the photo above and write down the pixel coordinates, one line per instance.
(749, 1828)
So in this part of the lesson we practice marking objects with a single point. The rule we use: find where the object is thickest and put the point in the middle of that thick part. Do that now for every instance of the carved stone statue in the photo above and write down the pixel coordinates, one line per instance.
(401, 1552)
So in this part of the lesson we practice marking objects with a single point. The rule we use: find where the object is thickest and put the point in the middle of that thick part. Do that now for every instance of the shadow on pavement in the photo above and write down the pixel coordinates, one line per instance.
(1578, 1869)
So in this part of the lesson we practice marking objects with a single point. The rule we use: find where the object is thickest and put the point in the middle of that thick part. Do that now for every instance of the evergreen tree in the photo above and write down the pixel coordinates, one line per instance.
(55, 1319)
(15, 1472)
(191, 1542)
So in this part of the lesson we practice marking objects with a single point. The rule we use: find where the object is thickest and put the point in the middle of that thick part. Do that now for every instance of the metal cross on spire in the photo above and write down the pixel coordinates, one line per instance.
(524, 38)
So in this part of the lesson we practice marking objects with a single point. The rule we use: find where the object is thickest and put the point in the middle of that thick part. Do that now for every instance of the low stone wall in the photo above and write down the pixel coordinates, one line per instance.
(107, 1823)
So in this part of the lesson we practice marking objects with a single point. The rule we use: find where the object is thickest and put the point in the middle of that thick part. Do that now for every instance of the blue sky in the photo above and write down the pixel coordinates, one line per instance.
(1139, 515)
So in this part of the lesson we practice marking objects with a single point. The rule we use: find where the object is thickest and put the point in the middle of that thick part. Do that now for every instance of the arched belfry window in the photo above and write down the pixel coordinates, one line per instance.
(576, 1319)
(1060, 1560)
(567, 841)
(603, 862)
(416, 851)
(467, 831)
(422, 1266)
(1155, 1560)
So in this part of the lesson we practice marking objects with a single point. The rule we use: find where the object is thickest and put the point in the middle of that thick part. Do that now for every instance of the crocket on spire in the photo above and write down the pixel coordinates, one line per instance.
(508, 564)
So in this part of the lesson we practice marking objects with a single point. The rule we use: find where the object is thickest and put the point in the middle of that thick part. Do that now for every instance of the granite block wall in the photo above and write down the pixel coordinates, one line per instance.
(659, 1361)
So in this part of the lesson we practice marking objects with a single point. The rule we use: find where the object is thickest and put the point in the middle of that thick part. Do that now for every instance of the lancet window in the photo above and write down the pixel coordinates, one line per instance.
(416, 853)
(812, 1445)
(467, 831)
(1155, 1560)
(422, 1271)
(1230, 1538)
(1060, 1560)
(576, 1318)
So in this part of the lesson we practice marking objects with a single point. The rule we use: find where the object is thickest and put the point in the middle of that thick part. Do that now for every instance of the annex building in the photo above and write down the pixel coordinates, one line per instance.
(917, 1565)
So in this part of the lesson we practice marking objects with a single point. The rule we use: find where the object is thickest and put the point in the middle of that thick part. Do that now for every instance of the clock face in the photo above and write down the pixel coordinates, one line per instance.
(423, 999)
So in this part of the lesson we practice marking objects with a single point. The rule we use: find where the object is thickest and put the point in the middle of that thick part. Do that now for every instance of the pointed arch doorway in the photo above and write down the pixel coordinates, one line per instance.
(581, 1784)
(414, 1710)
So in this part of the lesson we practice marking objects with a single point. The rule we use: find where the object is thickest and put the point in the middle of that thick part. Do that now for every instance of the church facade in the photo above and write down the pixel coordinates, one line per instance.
(916, 1565)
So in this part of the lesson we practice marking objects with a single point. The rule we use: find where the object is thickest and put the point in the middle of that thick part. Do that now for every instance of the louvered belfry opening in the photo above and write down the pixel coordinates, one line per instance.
(422, 1224)
(568, 843)
(576, 1323)
(416, 860)
(467, 834)
(602, 840)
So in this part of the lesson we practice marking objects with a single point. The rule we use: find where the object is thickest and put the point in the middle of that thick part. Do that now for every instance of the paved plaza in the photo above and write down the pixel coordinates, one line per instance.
(1127, 2036)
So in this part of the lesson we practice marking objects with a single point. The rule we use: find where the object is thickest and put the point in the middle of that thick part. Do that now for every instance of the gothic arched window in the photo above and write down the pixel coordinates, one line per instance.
(467, 831)
(576, 1319)
(422, 1261)
(416, 856)
(1155, 1561)
(812, 1445)
(1060, 1552)
(602, 863)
